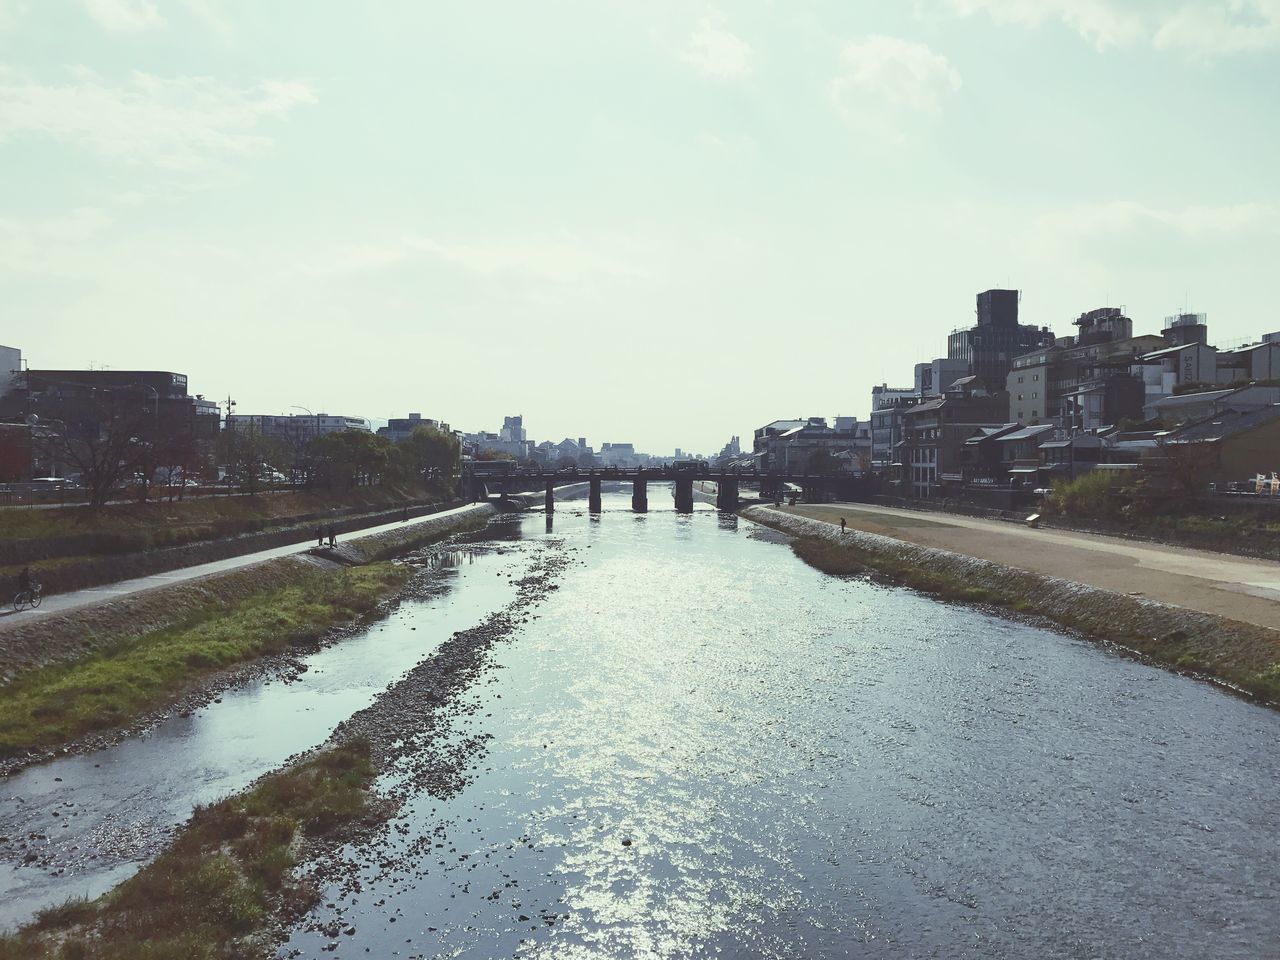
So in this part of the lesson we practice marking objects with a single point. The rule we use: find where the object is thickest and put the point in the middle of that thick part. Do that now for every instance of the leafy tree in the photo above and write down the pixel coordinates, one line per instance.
(821, 463)
(434, 453)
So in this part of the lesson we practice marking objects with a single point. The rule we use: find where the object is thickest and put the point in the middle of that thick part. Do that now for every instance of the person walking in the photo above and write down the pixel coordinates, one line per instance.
(333, 535)
(842, 524)
(319, 536)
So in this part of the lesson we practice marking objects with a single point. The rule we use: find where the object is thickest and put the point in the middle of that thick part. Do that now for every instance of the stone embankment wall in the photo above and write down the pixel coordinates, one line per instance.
(95, 570)
(1241, 654)
(79, 633)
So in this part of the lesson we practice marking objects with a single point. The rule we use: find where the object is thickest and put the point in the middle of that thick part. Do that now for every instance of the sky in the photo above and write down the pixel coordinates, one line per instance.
(646, 221)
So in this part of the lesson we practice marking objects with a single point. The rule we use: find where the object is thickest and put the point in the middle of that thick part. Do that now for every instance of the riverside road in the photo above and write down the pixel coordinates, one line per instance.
(1239, 588)
(690, 744)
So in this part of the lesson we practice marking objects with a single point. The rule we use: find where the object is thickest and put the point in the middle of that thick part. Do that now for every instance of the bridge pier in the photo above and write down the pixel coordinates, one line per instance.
(640, 495)
(593, 499)
(684, 495)
(727, 494)
(551, 496)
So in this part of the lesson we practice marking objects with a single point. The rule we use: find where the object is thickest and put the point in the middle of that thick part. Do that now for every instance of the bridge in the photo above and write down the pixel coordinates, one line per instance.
(485, 475)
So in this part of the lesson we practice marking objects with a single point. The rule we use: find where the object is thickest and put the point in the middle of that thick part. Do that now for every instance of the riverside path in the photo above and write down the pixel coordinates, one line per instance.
(93, 596)
(1239, 588)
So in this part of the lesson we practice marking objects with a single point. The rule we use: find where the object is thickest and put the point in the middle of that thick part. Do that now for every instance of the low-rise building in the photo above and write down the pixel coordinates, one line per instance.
(793, 445)
(1258, 361)
(294, 428)
(1188, 407)
(936, 430)
(399, 429)
(1231, 445)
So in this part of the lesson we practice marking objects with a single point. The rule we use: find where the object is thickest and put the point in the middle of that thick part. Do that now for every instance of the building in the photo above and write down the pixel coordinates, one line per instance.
(935, 432)
(294, 428)
(1232, 445)
(989, 347)
(399, 429)
(10, 370)
(888, 405)
(619, 455)
(933, 378)
(791, 445)
(1190, 407)
(513, 429)
(1084, 381)
(1259, 361)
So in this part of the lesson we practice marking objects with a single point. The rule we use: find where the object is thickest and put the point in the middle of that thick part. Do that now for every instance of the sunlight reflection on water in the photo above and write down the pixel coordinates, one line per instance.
(702, 747)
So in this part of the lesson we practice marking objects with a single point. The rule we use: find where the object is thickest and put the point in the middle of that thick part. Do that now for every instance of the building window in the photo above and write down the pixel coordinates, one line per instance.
(1035, 413)
(1036, 377)
(1020, 379)
(1035, 395)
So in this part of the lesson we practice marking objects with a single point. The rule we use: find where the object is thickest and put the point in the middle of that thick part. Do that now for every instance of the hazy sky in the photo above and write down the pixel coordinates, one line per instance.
(649, 221)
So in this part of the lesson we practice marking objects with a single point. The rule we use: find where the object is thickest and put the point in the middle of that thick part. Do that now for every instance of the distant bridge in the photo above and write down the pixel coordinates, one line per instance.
(505, 476)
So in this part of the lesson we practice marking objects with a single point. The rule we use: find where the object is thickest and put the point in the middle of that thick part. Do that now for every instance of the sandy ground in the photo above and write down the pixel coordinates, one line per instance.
(1235, 587)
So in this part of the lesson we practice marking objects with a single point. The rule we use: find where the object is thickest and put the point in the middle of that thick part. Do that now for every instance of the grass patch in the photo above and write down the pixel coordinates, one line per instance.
(55, 704)
(228, 871)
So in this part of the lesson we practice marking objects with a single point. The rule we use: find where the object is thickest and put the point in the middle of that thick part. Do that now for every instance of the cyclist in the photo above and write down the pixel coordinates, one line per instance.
(24, 580)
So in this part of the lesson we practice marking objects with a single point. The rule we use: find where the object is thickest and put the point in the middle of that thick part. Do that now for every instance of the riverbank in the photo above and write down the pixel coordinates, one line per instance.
(246, 870)
(1244, 656)
(99, 673)
(75, 548)
(227, 877)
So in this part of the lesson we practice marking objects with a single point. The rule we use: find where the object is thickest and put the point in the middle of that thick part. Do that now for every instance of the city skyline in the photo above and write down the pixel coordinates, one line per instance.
(810, 211)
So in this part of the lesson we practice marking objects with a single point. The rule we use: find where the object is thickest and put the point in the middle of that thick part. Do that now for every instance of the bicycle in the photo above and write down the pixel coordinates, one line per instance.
(27, 598)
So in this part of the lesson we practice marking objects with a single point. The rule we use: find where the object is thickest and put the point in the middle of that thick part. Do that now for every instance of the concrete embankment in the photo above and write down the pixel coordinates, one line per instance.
(86, 631)
(1242, 655)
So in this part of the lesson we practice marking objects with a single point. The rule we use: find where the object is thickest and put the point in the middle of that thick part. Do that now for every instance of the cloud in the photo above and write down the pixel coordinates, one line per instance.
(717, 52)
(11, 11)
(1242, 26)
(1133, 235)
(885, 81)
(1198, 28)
(175, 123)
(125, 16)
(41, 246)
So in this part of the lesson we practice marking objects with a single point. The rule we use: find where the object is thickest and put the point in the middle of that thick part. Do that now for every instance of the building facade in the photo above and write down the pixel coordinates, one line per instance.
(936, 430)
(988, 347)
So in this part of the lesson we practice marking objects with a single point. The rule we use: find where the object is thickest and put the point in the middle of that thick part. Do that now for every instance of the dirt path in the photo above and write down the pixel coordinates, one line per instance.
(1234, 587)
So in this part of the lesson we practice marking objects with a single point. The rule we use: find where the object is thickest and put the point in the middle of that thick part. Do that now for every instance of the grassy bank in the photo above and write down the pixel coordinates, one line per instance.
(1243, 655)
(131, 527)
(58, 703)
(214, 892)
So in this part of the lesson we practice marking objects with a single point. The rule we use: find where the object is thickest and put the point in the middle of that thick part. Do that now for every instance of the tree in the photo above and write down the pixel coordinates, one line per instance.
(102, 434)
(821, 463)
(350, 458)
(1188, 466)
(248, 456)
(434, 453)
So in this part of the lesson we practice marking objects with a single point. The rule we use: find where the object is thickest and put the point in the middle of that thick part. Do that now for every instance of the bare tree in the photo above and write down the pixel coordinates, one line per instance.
(103, 436)
(1188, 466)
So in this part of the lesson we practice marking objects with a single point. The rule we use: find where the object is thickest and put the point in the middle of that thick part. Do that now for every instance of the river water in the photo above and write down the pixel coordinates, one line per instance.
(699, 746)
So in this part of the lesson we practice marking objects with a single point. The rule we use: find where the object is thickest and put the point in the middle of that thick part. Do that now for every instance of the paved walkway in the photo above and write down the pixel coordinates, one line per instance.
(1237, 587)
(63, 602)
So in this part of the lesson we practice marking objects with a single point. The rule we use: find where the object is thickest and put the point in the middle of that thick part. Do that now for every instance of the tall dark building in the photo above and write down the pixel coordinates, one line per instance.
(990, 346)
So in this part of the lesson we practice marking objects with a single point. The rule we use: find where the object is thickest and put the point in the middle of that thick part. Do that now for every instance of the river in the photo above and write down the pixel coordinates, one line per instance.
(699, 746)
